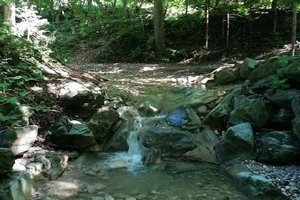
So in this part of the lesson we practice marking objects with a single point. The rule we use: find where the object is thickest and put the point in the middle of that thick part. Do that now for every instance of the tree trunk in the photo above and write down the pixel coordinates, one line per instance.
(187, 6)
(223, 26)
(294, 28)
(158, 26)
(274, 8)
(228, 30)
(207, 5)
(10, 14)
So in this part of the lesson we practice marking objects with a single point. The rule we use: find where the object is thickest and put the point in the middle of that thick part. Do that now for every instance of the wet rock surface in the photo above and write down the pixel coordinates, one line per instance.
(87, 179)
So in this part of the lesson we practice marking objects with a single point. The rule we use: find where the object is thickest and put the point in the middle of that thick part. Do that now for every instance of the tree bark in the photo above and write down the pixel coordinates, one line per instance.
(274, 8)
(187, 2)
(294, 28)
(207, 5)
(10, 14)
(228, 29)
(158, 18)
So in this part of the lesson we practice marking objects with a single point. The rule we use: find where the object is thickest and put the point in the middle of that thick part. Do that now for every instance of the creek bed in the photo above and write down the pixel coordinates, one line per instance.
(86, 179)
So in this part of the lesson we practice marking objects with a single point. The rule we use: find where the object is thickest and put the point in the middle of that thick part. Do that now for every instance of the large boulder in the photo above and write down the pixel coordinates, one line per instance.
(218, 115)
(102, 122)
(71, 134)
(20, 186)
(7, 160)
(292, 71)
(256, 185)
(249, 109)
(169, 140)
(19, 139)
(284, 98)
(205, 150)
(78, 99)
(278, 148)
(281, 119)
(246, 67)
(49, 164)
(225, 76)
(237, 143)
(268, 68)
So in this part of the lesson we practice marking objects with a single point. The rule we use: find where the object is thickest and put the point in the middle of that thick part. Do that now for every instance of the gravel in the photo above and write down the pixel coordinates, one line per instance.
(285, 178)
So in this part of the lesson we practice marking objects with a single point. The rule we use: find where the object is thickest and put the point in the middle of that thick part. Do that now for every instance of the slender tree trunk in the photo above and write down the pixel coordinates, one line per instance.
(158, 26)
(10, 14)
(274, 8)
(114, 4)
(294, 28)
(207, 5)
(228, 29)
(187, 2)
(223, 26)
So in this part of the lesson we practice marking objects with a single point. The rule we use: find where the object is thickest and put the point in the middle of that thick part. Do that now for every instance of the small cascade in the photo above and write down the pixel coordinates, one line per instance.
(133, 158)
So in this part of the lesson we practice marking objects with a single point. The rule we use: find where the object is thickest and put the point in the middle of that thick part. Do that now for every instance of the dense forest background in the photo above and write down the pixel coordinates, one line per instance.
(148, 31)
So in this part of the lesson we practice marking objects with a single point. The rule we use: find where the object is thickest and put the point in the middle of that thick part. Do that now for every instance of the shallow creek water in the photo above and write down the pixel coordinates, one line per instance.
(169, 180)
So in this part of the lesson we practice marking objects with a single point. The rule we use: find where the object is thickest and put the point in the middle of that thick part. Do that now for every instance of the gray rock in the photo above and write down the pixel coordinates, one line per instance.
(169, 140)
(225, 76)
(151, 156)
(292, 71)
(48, 164)
(149, 106)
(192, 97)
(19, 139)
(19, 186)
(80, 100)
(73, 135)
(257, 186)
(202, 110)
(102, 122)
(284, 98)
(268, 68)
(249, 109)
(237, 143)
(278, 148)
(247, 66)
(296, 127)
(7, 160)
(218, 115)
(205, 151)
(281, 119)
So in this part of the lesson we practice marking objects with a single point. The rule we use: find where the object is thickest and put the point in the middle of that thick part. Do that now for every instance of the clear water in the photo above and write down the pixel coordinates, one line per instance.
(170, 180)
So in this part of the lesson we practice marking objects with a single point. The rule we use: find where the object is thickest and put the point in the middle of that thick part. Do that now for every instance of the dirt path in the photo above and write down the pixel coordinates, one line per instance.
(141, 78)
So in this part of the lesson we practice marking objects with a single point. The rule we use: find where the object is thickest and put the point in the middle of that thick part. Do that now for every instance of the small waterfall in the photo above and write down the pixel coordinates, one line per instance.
(132, 159)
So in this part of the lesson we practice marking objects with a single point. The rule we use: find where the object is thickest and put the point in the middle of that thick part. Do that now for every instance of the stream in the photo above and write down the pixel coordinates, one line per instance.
(122, 175)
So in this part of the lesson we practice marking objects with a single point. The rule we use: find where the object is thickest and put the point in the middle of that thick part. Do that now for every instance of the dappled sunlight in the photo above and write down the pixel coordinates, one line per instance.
(66, 188)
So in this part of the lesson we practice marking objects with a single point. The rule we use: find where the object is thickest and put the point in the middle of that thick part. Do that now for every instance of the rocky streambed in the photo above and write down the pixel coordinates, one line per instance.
(196, 132)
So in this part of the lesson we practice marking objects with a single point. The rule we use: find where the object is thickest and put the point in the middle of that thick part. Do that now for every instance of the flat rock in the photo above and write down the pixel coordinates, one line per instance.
(19, 139)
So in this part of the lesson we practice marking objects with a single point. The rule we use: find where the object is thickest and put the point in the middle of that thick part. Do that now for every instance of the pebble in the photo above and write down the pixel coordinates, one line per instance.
(285, 178)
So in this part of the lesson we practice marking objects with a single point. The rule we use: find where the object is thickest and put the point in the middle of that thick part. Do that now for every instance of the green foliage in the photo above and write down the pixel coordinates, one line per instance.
(17, 73)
